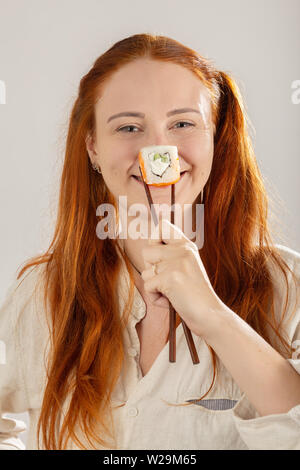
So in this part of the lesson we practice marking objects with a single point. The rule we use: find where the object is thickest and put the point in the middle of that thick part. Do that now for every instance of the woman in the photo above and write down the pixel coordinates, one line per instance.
(100, 377)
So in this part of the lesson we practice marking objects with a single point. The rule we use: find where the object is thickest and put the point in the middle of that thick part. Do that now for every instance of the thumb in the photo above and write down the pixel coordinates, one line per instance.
(158, 300)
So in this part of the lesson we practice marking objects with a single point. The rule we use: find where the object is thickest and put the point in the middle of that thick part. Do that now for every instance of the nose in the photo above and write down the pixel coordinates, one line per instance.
(157, 135)
(161, 140)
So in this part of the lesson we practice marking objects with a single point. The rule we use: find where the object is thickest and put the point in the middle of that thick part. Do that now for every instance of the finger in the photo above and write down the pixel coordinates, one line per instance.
(154, 270)
(156, 284)
(155, 254)
(160, 300)
(148, 273)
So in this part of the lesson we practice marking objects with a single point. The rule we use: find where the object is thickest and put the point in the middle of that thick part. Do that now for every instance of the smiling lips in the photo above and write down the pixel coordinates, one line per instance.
(139, 179)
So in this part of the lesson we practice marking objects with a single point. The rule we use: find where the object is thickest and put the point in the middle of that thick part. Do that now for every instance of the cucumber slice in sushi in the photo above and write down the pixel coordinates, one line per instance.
(159, 162)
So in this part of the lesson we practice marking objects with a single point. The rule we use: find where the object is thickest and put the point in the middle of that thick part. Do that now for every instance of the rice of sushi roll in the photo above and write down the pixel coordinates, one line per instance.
(159, 164)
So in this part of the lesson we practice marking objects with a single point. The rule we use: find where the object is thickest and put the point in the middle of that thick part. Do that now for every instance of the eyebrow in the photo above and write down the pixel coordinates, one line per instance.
(142, 115)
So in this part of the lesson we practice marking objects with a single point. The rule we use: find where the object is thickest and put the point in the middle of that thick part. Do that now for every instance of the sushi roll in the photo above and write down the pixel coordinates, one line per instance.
(159, 164)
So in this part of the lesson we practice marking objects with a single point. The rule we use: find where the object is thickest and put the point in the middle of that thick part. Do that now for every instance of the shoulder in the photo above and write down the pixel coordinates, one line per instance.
(290, 256)
(24, 329)
(286, 289)
(23, 297)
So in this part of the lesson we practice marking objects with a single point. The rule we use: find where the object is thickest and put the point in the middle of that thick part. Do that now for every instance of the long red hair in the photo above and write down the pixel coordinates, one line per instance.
(81, 271)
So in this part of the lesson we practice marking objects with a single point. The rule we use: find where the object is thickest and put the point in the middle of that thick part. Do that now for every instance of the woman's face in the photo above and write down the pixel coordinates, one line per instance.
(151, 91)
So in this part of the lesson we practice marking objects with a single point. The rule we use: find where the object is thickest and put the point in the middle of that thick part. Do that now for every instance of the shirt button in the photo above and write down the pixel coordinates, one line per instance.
(132, 411)
(132, 352)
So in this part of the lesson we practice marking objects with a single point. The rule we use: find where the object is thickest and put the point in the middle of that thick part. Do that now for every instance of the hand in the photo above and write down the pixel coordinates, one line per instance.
(181, 278)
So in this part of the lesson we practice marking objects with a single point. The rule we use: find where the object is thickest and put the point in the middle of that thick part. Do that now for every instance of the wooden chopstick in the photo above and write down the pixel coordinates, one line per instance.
(150, 201)
(172, 312)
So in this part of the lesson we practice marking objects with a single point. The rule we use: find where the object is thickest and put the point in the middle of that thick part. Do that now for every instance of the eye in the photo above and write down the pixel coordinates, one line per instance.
(122, 129)
(126, 127)
(184, 122)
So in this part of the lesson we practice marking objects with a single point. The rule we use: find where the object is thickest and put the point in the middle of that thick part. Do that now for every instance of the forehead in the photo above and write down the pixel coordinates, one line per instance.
(151, 84)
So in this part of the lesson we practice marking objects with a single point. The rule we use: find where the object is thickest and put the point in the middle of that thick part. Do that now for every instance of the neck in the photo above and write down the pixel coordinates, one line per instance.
(133, 250)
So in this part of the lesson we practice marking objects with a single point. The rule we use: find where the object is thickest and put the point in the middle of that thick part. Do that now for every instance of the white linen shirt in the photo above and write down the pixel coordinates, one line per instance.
(225, 419)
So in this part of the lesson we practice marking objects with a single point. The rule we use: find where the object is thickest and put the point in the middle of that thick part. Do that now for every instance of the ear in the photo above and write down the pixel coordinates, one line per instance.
(90, 147)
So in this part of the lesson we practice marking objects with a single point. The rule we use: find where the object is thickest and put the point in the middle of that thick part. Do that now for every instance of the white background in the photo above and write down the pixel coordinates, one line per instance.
(47, 46)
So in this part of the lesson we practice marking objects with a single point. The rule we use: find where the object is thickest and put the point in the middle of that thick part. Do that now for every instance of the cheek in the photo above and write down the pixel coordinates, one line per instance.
(113, 175)
(199, 151)
(114, 167)
(116, 172)
(118, 160)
